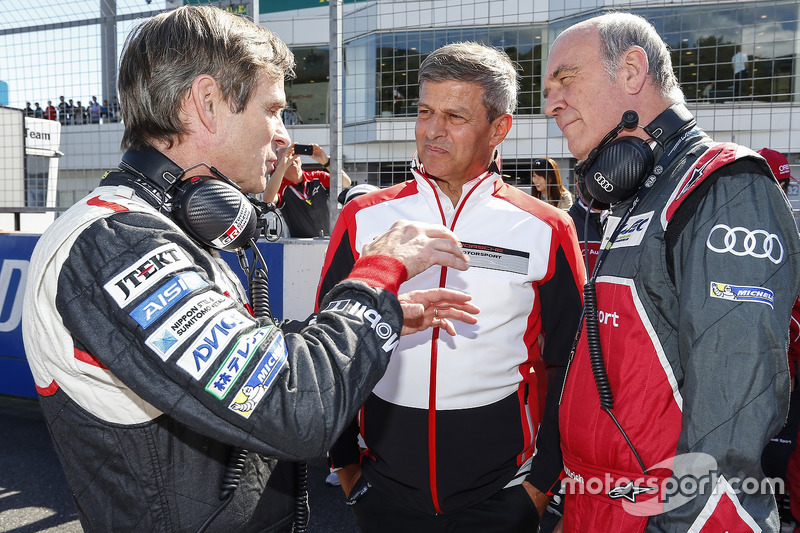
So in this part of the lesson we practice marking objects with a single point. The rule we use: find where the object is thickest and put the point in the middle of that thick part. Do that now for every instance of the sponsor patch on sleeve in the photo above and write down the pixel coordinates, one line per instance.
(742, 293)
(184, 322)
(496, 257)
(236, 362)
(165, 297)
(264, 374)
(145, 272)
(209, 345)
(370, 316)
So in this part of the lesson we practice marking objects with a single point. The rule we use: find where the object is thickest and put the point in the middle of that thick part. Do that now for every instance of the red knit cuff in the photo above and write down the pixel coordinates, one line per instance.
(380, 271)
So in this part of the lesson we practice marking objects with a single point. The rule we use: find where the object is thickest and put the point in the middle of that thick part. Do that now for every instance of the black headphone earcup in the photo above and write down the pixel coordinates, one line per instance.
(583, 193)
(215, 214)
(619, 170)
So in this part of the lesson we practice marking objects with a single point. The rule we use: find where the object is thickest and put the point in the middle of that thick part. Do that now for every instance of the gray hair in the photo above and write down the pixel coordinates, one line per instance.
(619, 31)
(164, 54)
(490, 68)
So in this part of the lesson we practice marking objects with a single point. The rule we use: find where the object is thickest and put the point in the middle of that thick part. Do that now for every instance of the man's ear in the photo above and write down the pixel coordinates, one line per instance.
(635, 67)
(205, 99)
(500, 128)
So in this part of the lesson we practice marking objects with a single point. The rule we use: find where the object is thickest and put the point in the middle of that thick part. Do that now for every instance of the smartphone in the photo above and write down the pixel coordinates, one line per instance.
(303, 149)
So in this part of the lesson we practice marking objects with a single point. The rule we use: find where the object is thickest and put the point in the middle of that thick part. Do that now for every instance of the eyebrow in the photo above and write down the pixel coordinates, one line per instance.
(556, 73)
(457, 110)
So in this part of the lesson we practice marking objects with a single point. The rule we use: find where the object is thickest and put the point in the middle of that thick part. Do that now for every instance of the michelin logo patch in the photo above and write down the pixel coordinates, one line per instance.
(236, 362)
(741, 293)
(382, 329)
(209, 345)
(143, 274)
(496, 257)
(256, 386)
(166, 339)
(162, 300)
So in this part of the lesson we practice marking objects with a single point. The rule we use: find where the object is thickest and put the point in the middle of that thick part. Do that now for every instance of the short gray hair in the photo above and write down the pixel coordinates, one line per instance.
(164, 54)
(619, 31)
(488, 67)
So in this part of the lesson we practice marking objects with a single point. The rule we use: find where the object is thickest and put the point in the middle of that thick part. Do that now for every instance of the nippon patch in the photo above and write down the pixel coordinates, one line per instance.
(143, 274)
(383, 330)
(236, 362)
(166, 339)
(265, 372)
(166, 296)
(633, 232)
(496, 257)
(209, 345)
(742, 293)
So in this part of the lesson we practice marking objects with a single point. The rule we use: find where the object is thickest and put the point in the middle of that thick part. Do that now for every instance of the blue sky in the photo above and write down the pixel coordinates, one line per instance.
(43, 65)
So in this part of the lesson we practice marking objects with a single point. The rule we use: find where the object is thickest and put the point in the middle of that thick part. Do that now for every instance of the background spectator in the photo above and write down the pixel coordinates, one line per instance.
(50, 111)
(546, 179)
(302, 196)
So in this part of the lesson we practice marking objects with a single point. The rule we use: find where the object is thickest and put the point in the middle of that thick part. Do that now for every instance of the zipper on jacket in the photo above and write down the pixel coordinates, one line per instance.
(432, 465)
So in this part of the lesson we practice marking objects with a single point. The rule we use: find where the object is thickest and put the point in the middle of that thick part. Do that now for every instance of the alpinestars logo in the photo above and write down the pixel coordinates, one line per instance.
(145, 272)
(628, 492)
(697, 173)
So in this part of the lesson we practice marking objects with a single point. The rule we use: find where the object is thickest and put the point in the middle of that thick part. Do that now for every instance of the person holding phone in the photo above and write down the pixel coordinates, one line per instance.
(302, 195)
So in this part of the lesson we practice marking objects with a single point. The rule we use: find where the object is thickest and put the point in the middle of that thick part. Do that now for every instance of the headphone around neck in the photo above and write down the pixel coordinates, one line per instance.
(211, 209)
(617, 167)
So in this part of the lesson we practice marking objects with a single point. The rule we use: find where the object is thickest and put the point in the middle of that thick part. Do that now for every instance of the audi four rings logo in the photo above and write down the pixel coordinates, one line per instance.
(603, 182)
(741, 241)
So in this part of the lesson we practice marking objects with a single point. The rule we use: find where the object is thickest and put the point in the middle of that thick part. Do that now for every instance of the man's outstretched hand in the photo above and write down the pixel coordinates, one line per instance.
(419, 246)
(436, 308)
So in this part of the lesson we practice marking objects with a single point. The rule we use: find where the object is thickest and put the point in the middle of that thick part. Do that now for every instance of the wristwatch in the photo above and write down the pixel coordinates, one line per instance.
(327, 163)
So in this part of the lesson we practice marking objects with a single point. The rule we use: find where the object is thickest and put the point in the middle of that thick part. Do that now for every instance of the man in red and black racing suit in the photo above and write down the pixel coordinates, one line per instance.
(693, 301)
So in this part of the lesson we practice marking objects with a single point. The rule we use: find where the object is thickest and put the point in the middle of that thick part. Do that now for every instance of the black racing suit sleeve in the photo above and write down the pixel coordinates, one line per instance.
(735, 379)
(330, 366)
(561, 305)
(339, 261)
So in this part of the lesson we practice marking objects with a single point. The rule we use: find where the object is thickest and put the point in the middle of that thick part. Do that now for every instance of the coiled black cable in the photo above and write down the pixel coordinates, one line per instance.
(258, 281)
(301, 509)
(230, 482)
(595, 349)
(259, 294)
(592, 321)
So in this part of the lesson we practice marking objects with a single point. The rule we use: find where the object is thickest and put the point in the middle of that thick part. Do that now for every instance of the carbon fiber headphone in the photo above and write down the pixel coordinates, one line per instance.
(211, 209)
(617, 167)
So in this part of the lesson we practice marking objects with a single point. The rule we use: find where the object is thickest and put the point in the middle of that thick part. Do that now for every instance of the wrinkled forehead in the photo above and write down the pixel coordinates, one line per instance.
(573, 45)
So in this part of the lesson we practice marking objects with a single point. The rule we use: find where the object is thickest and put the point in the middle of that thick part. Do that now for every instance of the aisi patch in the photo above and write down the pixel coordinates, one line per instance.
(158, 303)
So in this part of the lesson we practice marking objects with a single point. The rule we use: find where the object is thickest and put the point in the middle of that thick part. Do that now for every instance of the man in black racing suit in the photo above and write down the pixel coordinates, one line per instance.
(149, 365)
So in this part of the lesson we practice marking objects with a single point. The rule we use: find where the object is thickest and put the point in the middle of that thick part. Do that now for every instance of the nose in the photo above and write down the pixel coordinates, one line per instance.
(435, 126)
(281, 138)
(554, 102)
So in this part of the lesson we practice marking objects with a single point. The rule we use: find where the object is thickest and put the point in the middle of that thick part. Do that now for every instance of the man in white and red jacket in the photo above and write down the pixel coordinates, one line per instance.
(461, 432)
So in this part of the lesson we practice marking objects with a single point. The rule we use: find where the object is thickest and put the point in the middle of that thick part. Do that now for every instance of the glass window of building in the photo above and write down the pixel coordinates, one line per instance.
(307, 93)
(394, 60)
(742, 51)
